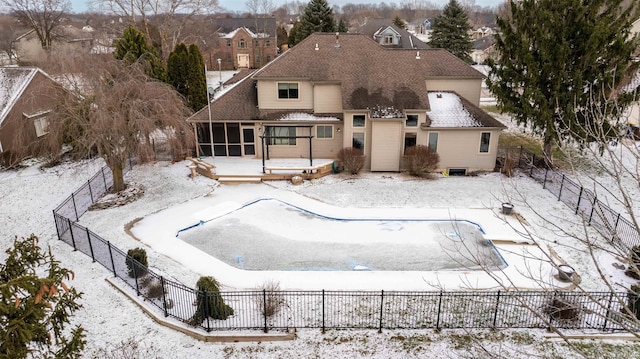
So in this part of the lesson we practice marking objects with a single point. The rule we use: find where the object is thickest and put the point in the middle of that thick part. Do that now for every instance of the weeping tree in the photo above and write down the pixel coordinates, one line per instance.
(561, 60)
(125, 116)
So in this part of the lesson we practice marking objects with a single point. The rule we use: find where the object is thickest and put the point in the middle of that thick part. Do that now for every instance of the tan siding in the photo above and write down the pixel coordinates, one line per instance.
(461, 149)
(327, 98)
(349, 130)
(322, 148)
(386, 138)
(467, 88)
(268, 96)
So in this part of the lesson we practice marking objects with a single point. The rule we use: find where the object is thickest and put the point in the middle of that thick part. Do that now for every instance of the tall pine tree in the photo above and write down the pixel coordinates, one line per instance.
(178, 68)
(317, 17)
(133, 47)
(197, 90)
(560, 62)
(450, 30)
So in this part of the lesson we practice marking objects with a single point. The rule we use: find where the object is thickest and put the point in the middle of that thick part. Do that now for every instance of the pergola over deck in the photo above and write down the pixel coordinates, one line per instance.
(268, 137)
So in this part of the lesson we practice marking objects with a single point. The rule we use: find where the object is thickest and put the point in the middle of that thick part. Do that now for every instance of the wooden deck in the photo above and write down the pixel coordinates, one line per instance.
(252, 172)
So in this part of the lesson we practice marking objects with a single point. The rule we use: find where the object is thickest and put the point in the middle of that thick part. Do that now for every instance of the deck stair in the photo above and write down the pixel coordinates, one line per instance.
(239, 179)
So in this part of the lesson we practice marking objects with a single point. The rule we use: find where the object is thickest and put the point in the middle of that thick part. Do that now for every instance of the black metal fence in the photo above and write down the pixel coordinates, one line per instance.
(619, 230)
(267, 310)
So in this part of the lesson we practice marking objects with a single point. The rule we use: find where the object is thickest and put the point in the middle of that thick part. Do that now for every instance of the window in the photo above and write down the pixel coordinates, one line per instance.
(268, 58)
(228, 42)
(242, 44)
(287, 90)
(410, 139)
(268, 43)
(358, 121)
(324, 131)
(284, 136)
(484, 142)
(358, 141)
(257, 59)
(412, 121)
(433, 141)
(42, 126)
(255, 43)
(388, 40)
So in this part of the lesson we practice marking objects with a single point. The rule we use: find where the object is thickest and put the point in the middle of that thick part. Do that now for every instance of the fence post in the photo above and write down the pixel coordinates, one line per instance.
(113, 265)
(93, 258)
(90, 191)
(617, 220)
(264, 309)
(579, 199)
(104, 179)
(381, 309)
(495, 314)
(439, 307)
(164, 297)
(323, 325)
(73, 200)
(606, 317)
(544, 182)
(73, 240)
(55, 219)
(561, 185)
(593, 206)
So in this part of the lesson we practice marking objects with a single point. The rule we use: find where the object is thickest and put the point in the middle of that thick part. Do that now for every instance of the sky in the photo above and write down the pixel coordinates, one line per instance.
(79, 6)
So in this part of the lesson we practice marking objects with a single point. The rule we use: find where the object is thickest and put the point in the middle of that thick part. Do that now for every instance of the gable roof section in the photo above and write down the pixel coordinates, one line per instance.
(370, 75)
(13, 82)
(373, 27)
(449, 110)
(256, 25)
(237, 103)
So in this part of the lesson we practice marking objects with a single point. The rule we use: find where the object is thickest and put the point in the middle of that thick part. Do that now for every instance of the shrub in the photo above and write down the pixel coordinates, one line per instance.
(352, 159)
(562, 309)
(137, 262)
(634, 263)
(209, 302)
(151, 287)
(270, 300)
(633, 300)
(421, 161)
(511, 158)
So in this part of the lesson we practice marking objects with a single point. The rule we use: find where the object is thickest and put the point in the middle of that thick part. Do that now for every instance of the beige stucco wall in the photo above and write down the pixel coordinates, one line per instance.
(461, 149)
(268, 96)
(327, 98)
(467, 88)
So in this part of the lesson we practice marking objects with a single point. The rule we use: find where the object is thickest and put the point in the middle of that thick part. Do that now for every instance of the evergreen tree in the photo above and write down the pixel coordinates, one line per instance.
(36, 305)
(133, 47)
(317, 17)
(293, 33)
(451, 31)
(399, 23)
(178, 68)
(197, 79)
(559, 63)
(342, 26)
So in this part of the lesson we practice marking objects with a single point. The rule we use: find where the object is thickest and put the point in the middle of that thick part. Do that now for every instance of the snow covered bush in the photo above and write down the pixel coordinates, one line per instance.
(137, 262)
(421, 161)
(209, 302)
(351, 159)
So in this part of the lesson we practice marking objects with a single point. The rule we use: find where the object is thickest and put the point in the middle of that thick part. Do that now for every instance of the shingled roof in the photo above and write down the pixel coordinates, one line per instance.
(371, 76)
(407, 40)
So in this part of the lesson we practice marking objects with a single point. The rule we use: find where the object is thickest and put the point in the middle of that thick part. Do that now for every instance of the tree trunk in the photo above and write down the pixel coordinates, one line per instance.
(547, 149)
(118, 178)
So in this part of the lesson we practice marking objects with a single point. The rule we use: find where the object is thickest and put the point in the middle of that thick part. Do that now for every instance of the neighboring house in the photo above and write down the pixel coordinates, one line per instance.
(386, 34)
(68, 39)
(244, 43)
(27, 97)
(330, 92)
(481, 32)
(483, 48)
(419, 26)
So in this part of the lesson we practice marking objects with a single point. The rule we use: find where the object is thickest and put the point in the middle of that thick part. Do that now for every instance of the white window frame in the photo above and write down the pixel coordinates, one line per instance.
(364, 123)
(437, 137)
(488, 142)
(242, 44)
(324, 137)
(42, 125)
(288, 90)
(388, 39)
(364, 137)
(407, 121)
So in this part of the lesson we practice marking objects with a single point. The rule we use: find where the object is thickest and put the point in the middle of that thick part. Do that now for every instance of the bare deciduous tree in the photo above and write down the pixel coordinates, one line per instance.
(9, 28)
(43, 16)
(125, 115)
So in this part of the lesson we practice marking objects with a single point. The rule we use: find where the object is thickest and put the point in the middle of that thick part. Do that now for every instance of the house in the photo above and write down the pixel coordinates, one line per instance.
(27, 97)
(67, 39)
(243, 42)
(387, 34)
(334, 91)
(483, 48)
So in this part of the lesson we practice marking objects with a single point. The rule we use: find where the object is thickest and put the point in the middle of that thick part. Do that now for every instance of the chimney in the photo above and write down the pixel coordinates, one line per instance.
(337, 45)
(317, 48)
(418, 55)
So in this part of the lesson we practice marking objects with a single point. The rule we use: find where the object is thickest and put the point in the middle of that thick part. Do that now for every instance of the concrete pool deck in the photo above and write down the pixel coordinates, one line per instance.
(525, 270)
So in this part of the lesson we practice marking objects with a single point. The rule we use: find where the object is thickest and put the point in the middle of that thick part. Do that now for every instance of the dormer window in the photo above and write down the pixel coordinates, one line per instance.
(388, 40)
(287, 90)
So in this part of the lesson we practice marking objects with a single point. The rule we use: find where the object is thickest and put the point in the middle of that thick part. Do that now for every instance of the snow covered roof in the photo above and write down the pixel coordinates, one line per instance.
(234, 32)
(447, 110)
(13, 81)
(307, 117)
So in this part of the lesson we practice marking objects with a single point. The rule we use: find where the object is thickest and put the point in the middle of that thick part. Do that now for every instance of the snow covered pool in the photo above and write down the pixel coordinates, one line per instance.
(269, 234)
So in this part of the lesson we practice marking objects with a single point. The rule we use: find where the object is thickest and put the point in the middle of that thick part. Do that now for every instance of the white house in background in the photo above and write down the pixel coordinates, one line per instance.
(329, 92)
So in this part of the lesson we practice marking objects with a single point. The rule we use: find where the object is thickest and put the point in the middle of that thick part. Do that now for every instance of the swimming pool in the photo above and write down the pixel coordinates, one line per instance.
(269, 234)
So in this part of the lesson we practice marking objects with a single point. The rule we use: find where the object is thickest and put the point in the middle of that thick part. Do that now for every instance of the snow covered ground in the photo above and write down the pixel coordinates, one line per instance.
(29, 196)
